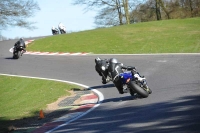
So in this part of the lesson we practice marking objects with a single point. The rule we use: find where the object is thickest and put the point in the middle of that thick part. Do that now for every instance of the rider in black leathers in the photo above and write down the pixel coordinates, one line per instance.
(54, 30)
(102, 69)
(19, 43)
(115, 68)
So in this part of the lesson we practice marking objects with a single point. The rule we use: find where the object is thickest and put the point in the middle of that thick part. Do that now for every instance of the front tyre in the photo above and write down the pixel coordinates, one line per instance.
(149, 90)
(136, 88)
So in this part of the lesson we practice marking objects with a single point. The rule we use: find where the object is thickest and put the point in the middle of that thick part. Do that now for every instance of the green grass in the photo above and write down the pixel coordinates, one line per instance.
(25, 97)
(167, 36)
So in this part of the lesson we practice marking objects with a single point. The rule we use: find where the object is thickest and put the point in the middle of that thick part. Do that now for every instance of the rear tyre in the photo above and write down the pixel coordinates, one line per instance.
(18, 54)
(15, 55)
(63, 32)
(136, 88)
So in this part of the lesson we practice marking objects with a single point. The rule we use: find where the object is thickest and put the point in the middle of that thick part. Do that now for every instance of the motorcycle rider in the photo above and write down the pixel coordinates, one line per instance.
(102, 69)
(62, 28)
(54, 30)
(115, 68)
(20, 43)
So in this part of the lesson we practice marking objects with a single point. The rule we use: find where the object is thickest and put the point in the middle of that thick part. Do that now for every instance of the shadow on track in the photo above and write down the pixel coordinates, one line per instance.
(103, 86)
(124, 98)
(179, 115)
(120, 99)
(9, 58)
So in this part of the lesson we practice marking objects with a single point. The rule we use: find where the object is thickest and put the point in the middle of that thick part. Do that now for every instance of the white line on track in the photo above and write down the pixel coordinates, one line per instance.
(100, 95)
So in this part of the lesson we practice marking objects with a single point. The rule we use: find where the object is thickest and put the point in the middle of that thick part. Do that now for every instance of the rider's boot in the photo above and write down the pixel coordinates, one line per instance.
(104, 81)
(126, 90)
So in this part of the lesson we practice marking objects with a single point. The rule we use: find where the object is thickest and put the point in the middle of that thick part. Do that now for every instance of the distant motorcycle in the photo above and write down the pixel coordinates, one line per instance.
(17, 52)
(55, 31)
(62, 28)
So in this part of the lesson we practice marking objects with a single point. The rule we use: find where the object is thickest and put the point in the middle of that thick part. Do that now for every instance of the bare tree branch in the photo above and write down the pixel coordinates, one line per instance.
(16, 12)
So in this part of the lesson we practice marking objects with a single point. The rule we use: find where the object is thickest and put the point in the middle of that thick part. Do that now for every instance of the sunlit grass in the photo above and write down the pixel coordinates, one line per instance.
(167, 36)
(22, 97)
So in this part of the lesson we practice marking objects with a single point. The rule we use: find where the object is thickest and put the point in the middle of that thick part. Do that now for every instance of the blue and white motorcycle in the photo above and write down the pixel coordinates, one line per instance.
(130, 79)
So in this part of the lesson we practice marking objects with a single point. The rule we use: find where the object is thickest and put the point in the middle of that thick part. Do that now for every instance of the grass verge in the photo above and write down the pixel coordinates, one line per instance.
(166, 36)
(24, 97)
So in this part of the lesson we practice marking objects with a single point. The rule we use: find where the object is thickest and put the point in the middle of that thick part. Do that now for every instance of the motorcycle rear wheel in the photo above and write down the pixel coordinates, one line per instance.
(136, 88)
(16, 55)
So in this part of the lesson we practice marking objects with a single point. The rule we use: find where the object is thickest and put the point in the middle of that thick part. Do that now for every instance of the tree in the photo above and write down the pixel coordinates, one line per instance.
(107, 17)
(158, 14)
(16, 12)
(119, 11)
(110, 15)
(193, 6)
(109, 8)
(125, 4)
(164, 8)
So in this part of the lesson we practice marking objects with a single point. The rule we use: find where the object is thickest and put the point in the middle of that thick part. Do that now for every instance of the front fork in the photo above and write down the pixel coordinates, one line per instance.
(145, 87)
(143, 84)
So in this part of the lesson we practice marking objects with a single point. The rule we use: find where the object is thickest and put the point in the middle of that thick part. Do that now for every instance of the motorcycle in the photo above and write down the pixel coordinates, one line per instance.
(62, 30)
(17, 52)
(55, 31)
(129, 79)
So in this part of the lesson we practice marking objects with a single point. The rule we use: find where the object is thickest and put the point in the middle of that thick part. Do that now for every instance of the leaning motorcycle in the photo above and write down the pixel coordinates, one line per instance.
(17, 52)
(128, 79)
(133, 85)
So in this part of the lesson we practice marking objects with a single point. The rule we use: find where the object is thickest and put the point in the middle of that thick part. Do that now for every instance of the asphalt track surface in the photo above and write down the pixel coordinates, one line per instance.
(174, 105)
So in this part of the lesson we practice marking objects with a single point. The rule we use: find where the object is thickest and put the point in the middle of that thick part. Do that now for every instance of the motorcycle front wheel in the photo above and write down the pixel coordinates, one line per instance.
(137, 89)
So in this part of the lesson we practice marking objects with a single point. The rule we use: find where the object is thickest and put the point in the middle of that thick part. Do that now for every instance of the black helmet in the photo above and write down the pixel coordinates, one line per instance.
(21, 38)
(97, 59)
(113, 60)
